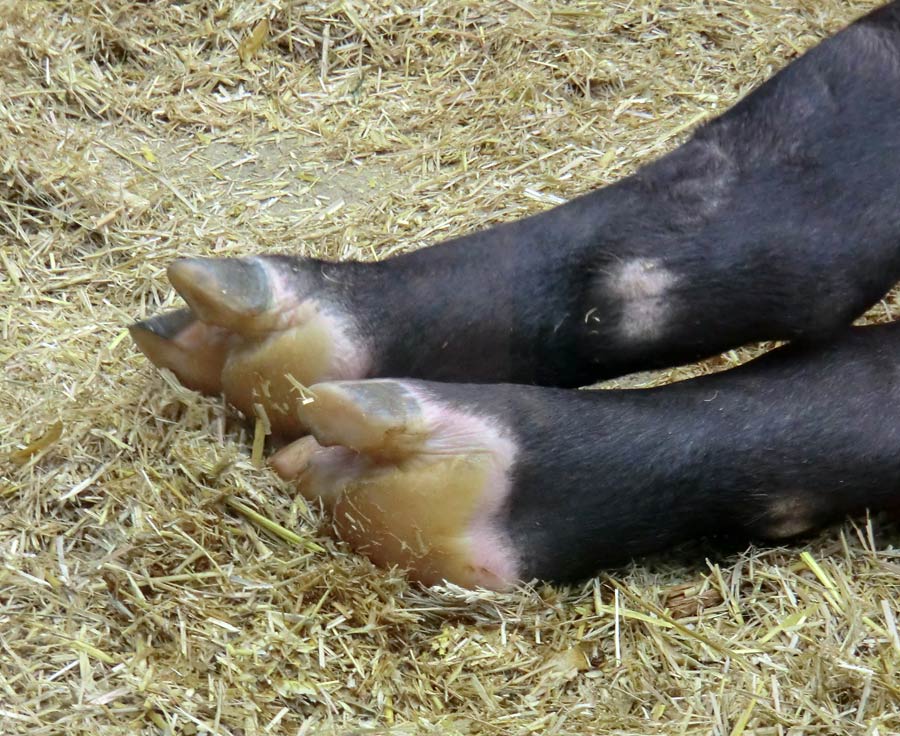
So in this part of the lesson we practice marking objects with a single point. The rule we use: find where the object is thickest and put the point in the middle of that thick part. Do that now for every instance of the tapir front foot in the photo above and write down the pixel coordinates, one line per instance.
(255, 329)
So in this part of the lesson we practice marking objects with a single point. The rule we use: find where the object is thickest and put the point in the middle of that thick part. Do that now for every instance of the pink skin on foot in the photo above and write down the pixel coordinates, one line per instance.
(424, 488)
(257, 338)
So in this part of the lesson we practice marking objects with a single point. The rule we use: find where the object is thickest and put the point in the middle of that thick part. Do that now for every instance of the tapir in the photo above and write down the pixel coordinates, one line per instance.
(441, 424)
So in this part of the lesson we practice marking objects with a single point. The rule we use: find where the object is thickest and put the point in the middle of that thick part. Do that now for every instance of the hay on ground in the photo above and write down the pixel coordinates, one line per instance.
(156, 581)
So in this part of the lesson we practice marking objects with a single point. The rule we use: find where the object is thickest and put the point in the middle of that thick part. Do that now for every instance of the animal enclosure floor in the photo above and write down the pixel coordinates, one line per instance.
(154, 579)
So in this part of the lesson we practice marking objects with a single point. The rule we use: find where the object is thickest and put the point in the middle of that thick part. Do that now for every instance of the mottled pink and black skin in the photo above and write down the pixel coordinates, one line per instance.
(778, 220)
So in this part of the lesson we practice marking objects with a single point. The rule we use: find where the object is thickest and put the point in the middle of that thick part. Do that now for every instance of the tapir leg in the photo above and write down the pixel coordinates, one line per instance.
(492, 484)
(776, 221)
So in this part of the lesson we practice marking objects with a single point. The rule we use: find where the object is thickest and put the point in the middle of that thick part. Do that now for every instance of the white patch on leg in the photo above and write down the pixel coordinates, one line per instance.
(790, 515)
(643, 285)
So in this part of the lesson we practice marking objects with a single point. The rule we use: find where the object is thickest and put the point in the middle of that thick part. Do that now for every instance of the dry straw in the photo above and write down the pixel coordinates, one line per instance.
(154, 579)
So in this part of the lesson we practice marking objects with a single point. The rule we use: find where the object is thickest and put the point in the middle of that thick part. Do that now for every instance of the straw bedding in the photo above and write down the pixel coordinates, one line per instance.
(156, 578)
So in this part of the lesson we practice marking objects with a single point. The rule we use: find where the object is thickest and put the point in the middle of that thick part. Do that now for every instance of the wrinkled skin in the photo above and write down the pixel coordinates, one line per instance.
(776, 221)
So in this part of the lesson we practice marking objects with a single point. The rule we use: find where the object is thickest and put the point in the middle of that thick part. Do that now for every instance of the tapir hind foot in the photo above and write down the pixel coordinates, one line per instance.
(410, 480)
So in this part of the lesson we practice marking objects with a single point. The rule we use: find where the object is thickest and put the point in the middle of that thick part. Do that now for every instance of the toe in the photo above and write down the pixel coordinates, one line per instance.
(194, 351)
(256, 330)
(381, 418)
(320, 473)
(293, 459)
(234, 293)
